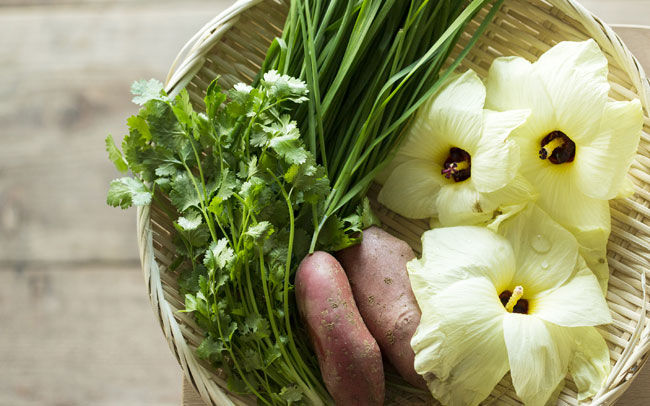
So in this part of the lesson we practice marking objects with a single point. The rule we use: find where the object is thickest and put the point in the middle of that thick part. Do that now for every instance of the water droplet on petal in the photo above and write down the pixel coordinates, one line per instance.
(540, 244)
(545, 265)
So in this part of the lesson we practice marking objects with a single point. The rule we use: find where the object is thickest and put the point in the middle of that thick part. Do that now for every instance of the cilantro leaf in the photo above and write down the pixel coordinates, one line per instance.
(139, 124)
(291, 394)
(337, 234)
(125, 192)
(286, 141)
(166, 130)
(368, 217)
(145, 90)
(184, 194)
(252, 360)
(257, 326)
(115, 155)
(219, 255)
(191, 220)
(259, 231)
(210, 349)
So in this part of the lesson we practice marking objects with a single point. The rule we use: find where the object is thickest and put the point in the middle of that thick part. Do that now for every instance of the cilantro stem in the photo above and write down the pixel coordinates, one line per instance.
(287, 273)
(294, 374)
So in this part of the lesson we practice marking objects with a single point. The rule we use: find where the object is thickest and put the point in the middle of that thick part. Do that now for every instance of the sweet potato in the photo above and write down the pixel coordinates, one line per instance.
(348, 355)
(380, 284)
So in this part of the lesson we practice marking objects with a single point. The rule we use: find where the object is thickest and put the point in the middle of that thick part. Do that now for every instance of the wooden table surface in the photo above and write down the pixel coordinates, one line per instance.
(76, 327)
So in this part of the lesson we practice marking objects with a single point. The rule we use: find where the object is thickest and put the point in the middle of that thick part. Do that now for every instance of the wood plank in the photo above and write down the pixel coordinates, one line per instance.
(620, 11)
(65, 74)
(82, 337)
(57, 3)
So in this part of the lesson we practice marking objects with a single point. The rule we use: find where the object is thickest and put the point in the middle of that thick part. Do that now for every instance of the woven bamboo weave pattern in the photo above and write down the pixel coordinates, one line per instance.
(234, 44)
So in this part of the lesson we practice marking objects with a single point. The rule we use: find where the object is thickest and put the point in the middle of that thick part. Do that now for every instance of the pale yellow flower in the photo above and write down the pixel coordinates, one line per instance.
(457, 162)
(576, 147)
(524, 303)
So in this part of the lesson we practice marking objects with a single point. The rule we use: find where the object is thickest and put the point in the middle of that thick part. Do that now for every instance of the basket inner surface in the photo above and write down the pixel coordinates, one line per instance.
(525, 28)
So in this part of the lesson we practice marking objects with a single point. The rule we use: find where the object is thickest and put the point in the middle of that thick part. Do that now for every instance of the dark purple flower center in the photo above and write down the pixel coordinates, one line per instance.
(558, 148)
(521, 306)
(458, 165)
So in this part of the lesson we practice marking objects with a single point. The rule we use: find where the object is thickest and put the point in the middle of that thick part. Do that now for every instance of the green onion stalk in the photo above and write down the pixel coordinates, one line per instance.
(369, 65)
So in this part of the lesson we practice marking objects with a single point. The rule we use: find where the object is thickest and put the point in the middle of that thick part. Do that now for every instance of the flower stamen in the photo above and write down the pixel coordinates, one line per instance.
(513, 301)
(458, 165)
(558, 148)
(516, 295)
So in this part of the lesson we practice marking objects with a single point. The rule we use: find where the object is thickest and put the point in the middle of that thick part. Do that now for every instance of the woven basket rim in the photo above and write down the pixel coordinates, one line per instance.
(188, 63)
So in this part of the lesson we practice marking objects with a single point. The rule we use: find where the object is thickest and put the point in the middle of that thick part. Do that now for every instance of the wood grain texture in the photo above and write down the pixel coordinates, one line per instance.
(81, 337)
(620, 11)
(64, 85)
(76, 326)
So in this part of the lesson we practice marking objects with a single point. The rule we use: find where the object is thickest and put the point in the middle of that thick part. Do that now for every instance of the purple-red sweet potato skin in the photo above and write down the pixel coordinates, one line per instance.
(380, 284)
(348, 355)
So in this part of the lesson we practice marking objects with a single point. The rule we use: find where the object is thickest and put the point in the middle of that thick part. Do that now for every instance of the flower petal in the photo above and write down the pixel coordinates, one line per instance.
(603, 162)
(460, 204)
(539, 355)
(453, 128)
(496, 160)
(453, 254)
(579, 302)
(590, 365)
(411, 189)
(575, 77)
(459, 345)
(511, 86)
(465, 91)
(566, 204)
(510, 200)
(426, 140)
(593, 248)
(588, 219)
(546, 253)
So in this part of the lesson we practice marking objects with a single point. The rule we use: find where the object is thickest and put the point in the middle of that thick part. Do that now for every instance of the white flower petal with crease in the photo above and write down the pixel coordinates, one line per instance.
(465, 91)
(538, 354)
(510, 86)
(411, 189)
(462, 204)
(496, 155)
(546, 252)
(453, 254)
(593, 250)
(459, 348)
(424, 141)
(578, 303)
(590, 365)
(574, 75)
(511, 200)
(604, 161)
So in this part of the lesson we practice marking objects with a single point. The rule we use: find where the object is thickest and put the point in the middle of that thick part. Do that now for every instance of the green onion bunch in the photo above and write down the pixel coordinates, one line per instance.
(369, 65)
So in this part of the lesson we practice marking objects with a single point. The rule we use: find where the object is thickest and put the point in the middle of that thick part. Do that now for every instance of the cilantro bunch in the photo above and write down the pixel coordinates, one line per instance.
(247, 197)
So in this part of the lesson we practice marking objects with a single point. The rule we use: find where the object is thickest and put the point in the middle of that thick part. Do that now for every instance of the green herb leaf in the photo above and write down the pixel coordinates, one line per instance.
(184, 193)
(115, 155)
(210, 349)
(291, 394)
(145, 90)
(191, 220)
(125, 192)
(219, 255)
(260, 231)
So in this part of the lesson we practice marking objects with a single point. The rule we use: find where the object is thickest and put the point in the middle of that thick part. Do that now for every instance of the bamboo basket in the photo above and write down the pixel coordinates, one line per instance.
(234, 44)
